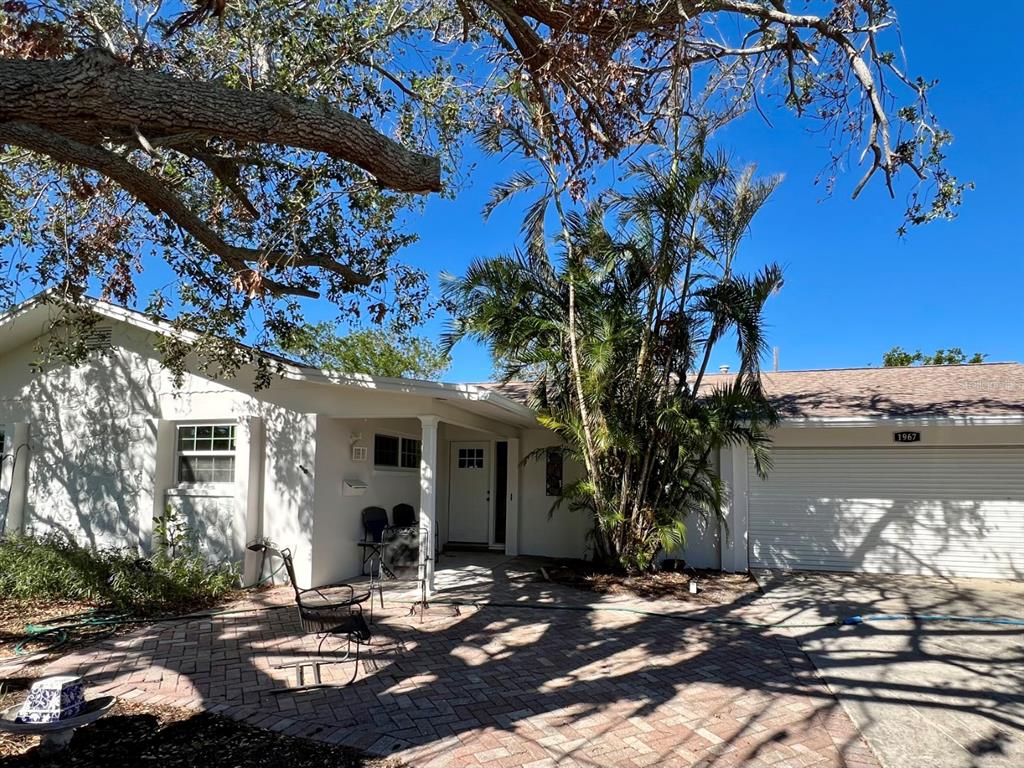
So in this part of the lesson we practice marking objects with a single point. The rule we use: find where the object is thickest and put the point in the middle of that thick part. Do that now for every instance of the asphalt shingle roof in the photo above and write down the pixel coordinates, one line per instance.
(988, 389)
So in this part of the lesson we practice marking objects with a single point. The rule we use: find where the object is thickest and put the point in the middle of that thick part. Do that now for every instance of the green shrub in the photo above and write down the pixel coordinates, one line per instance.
(176, 578)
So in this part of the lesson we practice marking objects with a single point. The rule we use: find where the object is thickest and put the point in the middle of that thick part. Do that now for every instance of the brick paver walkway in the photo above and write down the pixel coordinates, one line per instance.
(504, 686)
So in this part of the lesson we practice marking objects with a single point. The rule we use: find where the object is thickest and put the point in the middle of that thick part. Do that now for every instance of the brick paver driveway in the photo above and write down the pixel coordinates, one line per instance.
(538, 680)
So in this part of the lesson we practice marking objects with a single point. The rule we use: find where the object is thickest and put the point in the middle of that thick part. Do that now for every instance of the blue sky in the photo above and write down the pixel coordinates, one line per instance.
(853, 287)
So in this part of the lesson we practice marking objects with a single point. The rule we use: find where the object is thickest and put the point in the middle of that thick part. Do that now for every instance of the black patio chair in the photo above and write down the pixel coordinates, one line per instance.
(404, 516)
(375, 520)
(327, 615)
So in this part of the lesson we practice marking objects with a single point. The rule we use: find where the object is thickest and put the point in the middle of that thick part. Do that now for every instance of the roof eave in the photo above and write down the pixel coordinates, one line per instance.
(295, 372)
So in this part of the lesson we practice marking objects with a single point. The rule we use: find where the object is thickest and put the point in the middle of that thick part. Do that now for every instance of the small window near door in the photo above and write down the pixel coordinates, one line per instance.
(553, 473)
(471, 458)
(394, 451)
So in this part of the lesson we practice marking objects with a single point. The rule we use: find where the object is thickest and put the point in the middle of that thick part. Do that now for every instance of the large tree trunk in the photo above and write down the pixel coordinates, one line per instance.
(93, 97)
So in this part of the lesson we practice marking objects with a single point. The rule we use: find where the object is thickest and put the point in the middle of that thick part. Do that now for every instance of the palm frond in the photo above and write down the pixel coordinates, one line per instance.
(522, 181)
(655, 291)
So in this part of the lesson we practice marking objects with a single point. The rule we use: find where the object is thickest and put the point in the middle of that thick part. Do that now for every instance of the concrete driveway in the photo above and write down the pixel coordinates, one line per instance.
(934, 694)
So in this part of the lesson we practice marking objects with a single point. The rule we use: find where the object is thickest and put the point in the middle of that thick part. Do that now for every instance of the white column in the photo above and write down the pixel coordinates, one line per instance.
(248, 491)
(512, 502)
(735, 513)
(21, 451)
(428, 497)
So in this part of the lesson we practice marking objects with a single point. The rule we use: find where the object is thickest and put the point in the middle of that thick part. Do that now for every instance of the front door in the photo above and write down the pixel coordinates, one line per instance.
(469, 494)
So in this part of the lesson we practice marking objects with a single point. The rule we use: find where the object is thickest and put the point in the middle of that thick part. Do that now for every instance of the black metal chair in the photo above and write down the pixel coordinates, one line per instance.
(328, 615)
(375, 520)
(404, 516)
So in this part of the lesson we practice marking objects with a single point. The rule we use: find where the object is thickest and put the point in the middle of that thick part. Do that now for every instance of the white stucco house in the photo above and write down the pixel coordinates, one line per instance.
(916, 470)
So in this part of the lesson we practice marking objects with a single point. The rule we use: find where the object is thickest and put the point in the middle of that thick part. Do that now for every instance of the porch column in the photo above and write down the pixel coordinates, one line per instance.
(428, 497)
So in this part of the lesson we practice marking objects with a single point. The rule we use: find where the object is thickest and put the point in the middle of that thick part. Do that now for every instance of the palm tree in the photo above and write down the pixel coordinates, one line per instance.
(617, 331)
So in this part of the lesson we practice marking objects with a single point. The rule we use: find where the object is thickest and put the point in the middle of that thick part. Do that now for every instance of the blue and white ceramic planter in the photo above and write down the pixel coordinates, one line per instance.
(52, 699)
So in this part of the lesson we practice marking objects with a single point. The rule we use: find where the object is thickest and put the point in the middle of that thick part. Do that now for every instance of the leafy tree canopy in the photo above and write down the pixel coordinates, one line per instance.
(374, 351)
(898, 357)
(274, 154)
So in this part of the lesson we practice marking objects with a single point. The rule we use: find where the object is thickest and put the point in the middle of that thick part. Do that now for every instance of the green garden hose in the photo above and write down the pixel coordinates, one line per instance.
(54, 633)
(838, 622)
(633, 611)
(51, 634)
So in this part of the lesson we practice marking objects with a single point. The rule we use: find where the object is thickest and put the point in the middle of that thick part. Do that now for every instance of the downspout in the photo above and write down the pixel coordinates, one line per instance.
(13, 455)
(16, 492)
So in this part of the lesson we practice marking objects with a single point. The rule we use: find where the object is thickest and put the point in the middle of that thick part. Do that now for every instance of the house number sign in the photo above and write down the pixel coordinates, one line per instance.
(906, 437)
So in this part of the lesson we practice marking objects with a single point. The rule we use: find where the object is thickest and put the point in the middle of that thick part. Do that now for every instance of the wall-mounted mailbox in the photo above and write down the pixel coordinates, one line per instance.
(353, 488)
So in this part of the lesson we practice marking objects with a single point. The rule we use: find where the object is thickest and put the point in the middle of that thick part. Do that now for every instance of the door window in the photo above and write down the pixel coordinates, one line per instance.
(471, 458)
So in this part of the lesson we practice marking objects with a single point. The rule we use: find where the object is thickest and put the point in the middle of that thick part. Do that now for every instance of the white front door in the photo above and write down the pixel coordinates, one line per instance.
(469, 493)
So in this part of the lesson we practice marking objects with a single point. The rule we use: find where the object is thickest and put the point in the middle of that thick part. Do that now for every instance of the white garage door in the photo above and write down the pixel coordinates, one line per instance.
(907, 509)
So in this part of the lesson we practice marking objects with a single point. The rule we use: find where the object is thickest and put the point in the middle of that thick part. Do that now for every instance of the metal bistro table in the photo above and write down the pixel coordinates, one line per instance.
(371, 550)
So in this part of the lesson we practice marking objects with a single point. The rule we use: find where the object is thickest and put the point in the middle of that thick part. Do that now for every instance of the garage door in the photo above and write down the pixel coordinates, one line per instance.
(913, 509)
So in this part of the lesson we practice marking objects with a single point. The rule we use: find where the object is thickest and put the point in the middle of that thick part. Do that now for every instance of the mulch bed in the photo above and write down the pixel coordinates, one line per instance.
(16, 614)
(166, 737)
(713, 587)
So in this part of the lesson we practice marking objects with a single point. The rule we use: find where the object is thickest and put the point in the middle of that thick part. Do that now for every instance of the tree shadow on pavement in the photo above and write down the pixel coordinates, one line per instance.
(536, 674)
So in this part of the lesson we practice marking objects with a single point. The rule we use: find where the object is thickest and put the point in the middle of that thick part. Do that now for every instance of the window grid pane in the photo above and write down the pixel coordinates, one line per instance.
(206, 438)
(385, 450)
(206, 469)
(471, 458)
(205, 453)
(410, 453)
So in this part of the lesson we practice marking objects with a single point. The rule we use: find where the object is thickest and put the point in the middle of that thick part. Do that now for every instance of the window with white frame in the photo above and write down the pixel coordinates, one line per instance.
(392, 451)
(206, 453)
